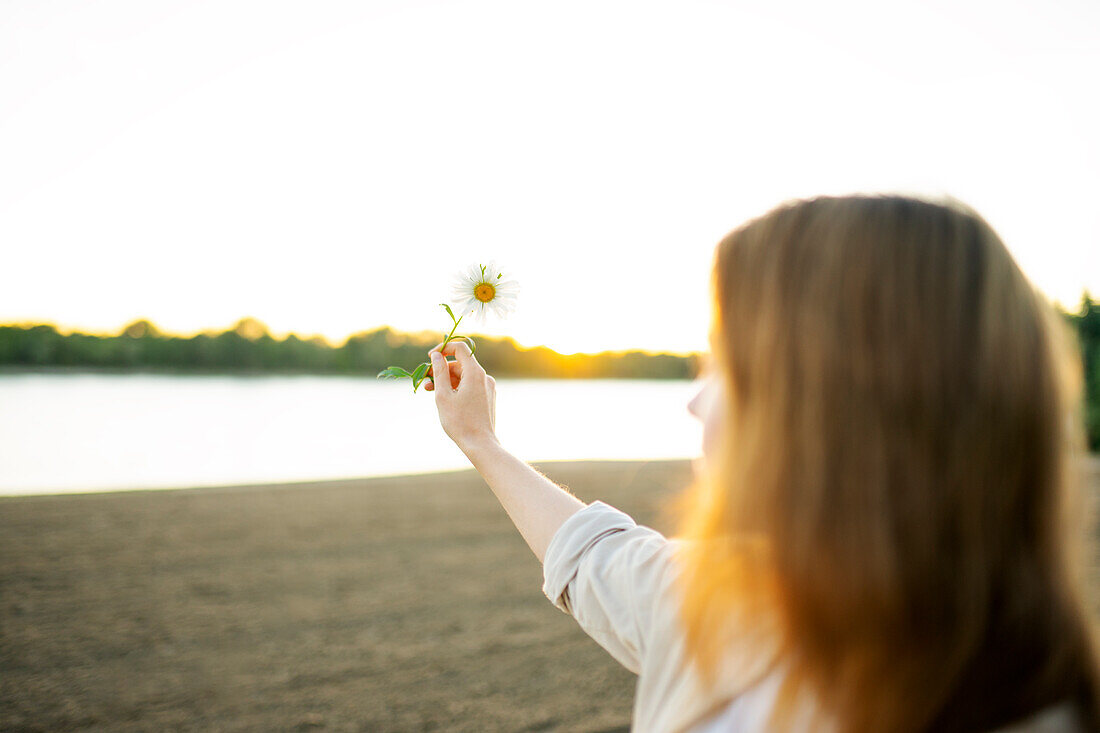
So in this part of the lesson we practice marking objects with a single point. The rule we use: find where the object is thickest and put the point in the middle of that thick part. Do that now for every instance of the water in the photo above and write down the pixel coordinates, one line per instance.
(83, 432)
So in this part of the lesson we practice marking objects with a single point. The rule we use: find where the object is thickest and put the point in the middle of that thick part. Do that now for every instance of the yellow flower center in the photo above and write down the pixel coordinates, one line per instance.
(485, 292)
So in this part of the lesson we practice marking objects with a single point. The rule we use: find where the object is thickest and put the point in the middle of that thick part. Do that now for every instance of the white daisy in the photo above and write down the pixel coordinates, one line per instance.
(484, 287)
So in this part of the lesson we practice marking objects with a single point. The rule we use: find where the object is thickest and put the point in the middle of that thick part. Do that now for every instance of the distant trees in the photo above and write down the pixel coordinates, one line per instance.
(1086, 324)
(249, 347)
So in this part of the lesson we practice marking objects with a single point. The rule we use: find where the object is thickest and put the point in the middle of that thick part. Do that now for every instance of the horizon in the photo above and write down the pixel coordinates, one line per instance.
(317, 163)
(66, 330)
(307, 336)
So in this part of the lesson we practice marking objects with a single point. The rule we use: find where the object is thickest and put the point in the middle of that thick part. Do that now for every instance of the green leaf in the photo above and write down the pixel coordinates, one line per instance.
(418, 374)
(452, 315)
(393, 372)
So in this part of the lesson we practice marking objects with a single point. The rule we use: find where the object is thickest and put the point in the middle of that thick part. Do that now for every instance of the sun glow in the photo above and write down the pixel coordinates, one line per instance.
(326, 168)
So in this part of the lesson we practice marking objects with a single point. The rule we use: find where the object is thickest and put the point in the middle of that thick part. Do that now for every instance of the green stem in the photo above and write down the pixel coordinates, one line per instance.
(452, 333)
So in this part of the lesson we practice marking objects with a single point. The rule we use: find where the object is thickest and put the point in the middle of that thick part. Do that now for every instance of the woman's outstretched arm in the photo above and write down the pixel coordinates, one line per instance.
(465, 397)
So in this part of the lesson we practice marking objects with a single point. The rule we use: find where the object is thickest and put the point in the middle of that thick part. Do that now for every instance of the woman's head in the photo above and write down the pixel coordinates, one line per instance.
(897, 423)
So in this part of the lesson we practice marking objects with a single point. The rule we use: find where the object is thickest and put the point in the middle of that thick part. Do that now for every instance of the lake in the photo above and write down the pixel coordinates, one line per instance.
(62, 433)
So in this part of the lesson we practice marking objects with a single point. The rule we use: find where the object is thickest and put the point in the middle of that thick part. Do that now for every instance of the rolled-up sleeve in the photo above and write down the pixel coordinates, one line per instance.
(611, 575)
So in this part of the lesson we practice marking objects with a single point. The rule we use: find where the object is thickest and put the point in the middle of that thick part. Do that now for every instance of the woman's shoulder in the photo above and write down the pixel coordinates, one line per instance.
(747, 678)
(619, 580)
(613, 576)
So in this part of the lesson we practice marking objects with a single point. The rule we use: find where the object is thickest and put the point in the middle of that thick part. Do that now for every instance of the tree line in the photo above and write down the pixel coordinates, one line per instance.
(1086, 324)
(248, 347)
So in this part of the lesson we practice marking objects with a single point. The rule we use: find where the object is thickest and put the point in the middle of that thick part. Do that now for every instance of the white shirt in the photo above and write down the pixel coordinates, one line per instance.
(616, 579)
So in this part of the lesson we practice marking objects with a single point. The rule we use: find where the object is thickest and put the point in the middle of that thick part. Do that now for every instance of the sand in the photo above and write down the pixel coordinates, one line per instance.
(388, 604)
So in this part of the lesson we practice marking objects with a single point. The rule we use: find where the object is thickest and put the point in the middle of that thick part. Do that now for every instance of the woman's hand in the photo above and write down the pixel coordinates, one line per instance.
(466, 398)
(465, 395)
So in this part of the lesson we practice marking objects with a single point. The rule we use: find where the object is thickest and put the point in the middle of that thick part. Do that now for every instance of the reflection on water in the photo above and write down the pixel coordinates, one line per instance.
(61, 433)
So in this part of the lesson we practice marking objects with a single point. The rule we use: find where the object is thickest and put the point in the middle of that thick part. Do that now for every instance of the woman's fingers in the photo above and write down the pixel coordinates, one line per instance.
(453, 368)
(463, 356)
(457, 348)
(441, 372)
(469, 408)
(429, 384)
(464, 359)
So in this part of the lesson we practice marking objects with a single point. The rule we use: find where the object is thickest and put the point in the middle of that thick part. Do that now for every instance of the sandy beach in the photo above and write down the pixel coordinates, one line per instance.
(404, 603)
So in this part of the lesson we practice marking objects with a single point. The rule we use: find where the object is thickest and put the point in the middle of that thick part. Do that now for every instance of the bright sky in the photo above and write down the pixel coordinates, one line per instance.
(328, 167)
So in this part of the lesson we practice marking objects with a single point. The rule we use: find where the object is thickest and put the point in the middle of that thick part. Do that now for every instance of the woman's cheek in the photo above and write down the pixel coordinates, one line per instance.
(712, 423)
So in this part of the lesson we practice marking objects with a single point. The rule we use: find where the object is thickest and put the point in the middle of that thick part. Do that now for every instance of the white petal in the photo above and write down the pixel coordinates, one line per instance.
(466, 279)
(462, 307)
(501, 311)
(461, 295)
(479, 313)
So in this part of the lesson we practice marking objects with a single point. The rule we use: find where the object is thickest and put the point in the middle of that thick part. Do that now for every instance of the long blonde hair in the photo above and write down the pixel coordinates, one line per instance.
(897, 483)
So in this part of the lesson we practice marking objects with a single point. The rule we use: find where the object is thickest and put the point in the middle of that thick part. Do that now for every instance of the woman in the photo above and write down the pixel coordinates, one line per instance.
(884, 532)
